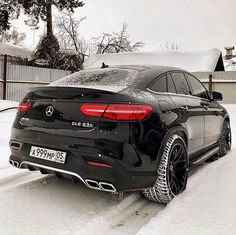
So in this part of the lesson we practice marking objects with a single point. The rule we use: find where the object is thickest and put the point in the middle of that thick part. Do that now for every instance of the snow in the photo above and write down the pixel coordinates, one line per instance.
(6, 119)
(220, 80)
(108, 79)
(198, 61)
(230, 65)
(208, 205)
(15, 51)
(35, 204)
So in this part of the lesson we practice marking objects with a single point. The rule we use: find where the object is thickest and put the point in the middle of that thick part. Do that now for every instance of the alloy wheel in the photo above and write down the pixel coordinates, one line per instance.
(177, 169)
(226, 142)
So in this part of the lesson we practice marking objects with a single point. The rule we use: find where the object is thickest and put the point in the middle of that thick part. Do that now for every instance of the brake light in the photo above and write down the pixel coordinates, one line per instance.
(95, 110)
(123, 112)
(24, 106)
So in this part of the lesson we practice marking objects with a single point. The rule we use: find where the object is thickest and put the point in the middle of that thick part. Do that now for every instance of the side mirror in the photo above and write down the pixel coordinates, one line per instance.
(217, 96)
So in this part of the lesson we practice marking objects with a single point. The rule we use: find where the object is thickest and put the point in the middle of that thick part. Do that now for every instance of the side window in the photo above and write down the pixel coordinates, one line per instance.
(170, 84)
(197, 88)
(159, 85)
(181, 83)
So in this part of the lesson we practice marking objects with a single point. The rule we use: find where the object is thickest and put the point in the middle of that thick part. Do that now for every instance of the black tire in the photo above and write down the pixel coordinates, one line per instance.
(225, 139)
(172, 173)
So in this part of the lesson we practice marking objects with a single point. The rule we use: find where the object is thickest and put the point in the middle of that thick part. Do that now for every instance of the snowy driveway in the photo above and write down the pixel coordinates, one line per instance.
(31, 203)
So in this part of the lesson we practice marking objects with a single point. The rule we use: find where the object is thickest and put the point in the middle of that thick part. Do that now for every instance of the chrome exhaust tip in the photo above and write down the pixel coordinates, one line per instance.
(92, 184)
(14, 163)
(103, 186)
(107, 187)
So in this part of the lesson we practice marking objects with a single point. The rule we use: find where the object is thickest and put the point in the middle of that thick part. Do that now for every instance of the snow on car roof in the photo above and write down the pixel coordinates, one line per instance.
(110, 79)
(197, 61)
(15, 51)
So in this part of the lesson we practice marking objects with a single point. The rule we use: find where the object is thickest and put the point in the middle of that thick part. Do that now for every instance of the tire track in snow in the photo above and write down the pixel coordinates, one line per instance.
(125, 218)
(20, 179)
(126, 213)
(135, 216)
(6, 179)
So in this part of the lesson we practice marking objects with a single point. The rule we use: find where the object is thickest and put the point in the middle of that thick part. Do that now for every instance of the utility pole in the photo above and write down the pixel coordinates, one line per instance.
(5, 78)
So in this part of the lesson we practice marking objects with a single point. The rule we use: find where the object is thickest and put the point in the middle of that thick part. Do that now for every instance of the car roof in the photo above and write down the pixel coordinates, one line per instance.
(157, 68)
(148, 72)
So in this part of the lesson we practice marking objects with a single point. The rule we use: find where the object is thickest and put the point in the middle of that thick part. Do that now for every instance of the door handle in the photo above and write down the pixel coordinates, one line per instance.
(185, 108)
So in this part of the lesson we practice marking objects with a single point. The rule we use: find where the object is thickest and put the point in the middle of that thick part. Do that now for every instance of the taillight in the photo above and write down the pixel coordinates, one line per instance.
(24, 106)
(127, 112)
(123, 112)
(95, 110)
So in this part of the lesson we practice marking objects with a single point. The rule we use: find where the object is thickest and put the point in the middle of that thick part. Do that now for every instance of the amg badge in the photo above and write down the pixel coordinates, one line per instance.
(82, 124)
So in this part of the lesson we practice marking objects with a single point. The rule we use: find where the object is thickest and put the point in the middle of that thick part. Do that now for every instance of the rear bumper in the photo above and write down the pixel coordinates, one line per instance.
(122, 176)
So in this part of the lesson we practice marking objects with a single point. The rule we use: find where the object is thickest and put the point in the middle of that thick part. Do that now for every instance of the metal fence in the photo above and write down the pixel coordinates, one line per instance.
(224, 82)
(16, 80)
(19, 79)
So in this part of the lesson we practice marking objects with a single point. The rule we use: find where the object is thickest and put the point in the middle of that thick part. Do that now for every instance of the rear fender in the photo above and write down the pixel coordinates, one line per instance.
(181, 131)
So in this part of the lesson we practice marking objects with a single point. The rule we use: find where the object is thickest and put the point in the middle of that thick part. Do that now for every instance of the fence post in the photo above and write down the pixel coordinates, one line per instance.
(5, 78)
(210, 83)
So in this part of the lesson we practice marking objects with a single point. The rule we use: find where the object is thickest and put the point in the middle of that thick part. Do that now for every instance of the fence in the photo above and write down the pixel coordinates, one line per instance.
(224, 82)
(16, 80)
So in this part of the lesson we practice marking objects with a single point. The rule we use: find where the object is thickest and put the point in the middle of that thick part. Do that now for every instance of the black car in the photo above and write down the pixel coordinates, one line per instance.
(122, 128)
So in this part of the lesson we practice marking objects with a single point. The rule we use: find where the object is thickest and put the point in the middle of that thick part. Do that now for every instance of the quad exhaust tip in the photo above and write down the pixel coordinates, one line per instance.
(103, 186)
(14, 163)
(107, 187)
(92, 184)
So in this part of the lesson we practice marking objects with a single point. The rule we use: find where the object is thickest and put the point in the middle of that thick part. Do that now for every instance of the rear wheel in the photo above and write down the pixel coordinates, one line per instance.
(172, 172)
(225, 139)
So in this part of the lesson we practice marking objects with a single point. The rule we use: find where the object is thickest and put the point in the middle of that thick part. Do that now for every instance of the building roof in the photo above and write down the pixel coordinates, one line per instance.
(15, 51)
(197, 61)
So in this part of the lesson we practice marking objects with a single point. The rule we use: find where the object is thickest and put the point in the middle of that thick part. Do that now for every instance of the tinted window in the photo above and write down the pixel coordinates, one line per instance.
(170, 84)
(99, 77)
(159, 85)
(197, 88)
(181, 83)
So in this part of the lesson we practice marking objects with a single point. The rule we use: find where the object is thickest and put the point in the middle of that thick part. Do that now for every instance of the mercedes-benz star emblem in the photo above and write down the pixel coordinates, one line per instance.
(49, 111)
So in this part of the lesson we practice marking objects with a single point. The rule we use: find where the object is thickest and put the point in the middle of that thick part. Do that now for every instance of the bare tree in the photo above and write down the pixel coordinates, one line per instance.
(116, 42)
(13, 37)
(68, 33)
(171, 45)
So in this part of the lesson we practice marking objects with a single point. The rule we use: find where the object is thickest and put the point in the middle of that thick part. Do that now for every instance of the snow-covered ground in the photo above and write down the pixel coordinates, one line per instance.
(31, 203)
(6, 119)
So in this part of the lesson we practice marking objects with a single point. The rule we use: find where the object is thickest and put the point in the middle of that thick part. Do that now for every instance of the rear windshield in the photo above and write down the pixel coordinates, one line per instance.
(99, 78)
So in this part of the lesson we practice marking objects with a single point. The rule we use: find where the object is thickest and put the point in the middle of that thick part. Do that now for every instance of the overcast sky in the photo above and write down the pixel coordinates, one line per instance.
(195, 24)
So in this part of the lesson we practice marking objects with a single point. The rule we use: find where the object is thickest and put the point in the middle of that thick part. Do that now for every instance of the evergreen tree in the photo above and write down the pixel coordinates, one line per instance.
(36, 9)
(48, 48)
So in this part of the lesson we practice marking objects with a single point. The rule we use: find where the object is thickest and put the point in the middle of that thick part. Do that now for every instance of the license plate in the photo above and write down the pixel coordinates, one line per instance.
(48, 154)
